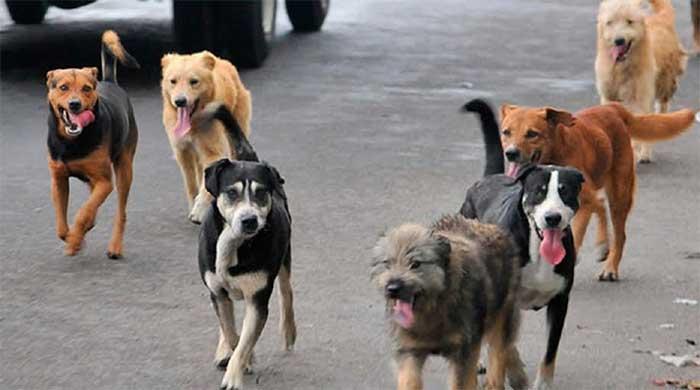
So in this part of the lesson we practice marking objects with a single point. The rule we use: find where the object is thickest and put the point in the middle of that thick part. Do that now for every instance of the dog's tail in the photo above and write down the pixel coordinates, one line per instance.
(218, 110)
(492, 140)
(112, 50)
(657, 127)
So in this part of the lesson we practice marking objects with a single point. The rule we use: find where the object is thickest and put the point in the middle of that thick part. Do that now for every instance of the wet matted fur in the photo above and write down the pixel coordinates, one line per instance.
(639, 57)
(447, 287)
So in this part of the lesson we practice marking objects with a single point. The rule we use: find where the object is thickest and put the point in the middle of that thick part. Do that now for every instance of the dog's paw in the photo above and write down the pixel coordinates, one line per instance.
(232, 381)
(601, 251)
(644, 160)
(542, 384)
(114, 255)
(289, 335)
(198, 210)
(114, 251)
(248, 368)
(62, 232)
(222, 363)
(607, 276)
(73, 245)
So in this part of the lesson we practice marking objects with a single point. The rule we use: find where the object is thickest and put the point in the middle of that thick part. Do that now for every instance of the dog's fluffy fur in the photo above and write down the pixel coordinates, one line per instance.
(92, 131)
(639, 57)
(596, 141)
(446, 288)
(189, 83)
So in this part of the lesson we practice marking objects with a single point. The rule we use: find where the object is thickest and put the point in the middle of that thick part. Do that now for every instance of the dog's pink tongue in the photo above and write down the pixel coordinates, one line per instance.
(617, 51)
(183, 122)
(512, 170)
(83, 119)
(403, 313)
(551, 248)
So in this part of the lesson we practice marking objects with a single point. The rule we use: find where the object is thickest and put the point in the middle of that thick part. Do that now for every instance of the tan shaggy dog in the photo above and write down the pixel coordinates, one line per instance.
(596, 141)
(639, 57)
(189, 83)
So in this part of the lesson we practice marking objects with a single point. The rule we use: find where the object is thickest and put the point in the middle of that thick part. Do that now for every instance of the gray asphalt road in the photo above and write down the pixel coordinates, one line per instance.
(362, 119)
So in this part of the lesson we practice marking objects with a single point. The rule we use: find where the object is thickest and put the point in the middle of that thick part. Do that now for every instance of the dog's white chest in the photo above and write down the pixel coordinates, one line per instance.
(539, 283)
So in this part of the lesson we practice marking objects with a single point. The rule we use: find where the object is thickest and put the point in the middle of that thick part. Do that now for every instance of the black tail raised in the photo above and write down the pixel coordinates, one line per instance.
(492, 139)
(217, 110)
(112, 50)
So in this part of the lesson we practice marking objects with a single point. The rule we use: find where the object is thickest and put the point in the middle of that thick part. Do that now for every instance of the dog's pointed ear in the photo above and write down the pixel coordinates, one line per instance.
(276, 180)
(165, 60)
(93, 73)
(211, 175)
(507, 109)
(50, 82)
(556, 117)
(209, 60)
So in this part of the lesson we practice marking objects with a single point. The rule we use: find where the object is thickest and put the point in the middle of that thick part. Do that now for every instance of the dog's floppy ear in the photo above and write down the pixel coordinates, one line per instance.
(578, 177)
(209, 60)
(276, 180)
(507, 109)
(211, 175)
(442, 248)
(556, 117)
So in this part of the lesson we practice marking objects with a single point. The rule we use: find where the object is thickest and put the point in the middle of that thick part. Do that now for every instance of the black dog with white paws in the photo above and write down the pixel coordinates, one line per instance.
(244, 244)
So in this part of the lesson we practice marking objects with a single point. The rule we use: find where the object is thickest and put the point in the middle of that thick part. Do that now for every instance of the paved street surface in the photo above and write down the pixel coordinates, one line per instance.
(362, 120)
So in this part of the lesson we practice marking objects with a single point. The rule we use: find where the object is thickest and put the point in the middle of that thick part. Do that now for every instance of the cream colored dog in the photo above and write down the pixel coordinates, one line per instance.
(189, 83)
(640, 58)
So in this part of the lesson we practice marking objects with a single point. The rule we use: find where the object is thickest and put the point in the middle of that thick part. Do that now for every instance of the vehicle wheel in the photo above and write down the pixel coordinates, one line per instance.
(307, 15)
(27, 11)
(238, 30)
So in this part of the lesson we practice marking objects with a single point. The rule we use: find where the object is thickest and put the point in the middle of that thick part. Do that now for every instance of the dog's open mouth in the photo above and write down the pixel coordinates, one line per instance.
(184, 120)
(619, 52)
(513, 168)
(402, 311)
(75, 123)
(552, 248)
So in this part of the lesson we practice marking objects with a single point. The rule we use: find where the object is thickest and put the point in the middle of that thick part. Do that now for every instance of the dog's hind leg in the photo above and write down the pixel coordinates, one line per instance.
(499, 339)
(620, 198)
(288, 327)
(602, 246)
(463, 371)
(515, 370)
(410, 371)
(123, 169)
(256, 312)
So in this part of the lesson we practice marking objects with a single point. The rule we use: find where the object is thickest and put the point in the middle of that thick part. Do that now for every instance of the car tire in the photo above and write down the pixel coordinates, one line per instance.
(238, 30)
(307, 15)
(27, 11)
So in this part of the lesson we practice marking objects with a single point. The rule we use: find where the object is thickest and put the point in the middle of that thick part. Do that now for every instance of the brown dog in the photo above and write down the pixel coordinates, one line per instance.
(596, 141)
(189, 83)
(639, 57)
(91, 131)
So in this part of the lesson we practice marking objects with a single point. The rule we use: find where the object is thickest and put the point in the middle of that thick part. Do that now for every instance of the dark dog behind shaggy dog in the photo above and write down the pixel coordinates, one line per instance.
(446, 288)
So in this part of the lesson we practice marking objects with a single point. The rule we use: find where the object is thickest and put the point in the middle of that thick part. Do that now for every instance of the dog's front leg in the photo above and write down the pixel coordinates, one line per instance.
(556, 315)
(85, 218)
(256, 311)
(59, 194)
(410, 371)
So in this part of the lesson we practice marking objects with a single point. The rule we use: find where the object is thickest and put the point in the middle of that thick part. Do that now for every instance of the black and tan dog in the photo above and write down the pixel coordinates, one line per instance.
(244, 245)
(536, 207)
(91, 131)
(447, 287)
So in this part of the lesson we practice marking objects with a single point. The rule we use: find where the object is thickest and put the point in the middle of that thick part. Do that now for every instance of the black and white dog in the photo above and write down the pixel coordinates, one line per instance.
(244, 244)
(536, 208)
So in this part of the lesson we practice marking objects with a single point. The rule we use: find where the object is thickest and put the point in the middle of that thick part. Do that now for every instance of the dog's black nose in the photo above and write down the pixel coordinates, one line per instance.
(552, 219)
(512, 154)
(393, 288)
(249, 224)
(181, 102)
(75, 105)
(619, 41)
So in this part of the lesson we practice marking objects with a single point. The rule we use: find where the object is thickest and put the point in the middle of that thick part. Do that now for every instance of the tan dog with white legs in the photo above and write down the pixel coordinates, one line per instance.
(189, 83)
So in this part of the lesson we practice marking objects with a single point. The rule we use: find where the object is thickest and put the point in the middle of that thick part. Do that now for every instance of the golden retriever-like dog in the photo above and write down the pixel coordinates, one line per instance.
(189, 83)
(639, 58)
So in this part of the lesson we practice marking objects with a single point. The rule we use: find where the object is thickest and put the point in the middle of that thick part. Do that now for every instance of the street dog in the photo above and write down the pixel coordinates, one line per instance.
(92, 130)
(189, 83)
(596, 141)
(536, 208)
(639, 58)
(244, 245)
(447, 287)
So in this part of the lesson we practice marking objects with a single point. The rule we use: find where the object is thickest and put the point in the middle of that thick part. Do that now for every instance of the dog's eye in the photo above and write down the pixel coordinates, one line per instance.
(506, 132)
(629, 22)
(542, 190)
(87, 88)
(233, 194)
(532, 134)
(194, 82)
(173, 81)
(414, 265)
(63, 87)
(608, 23)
